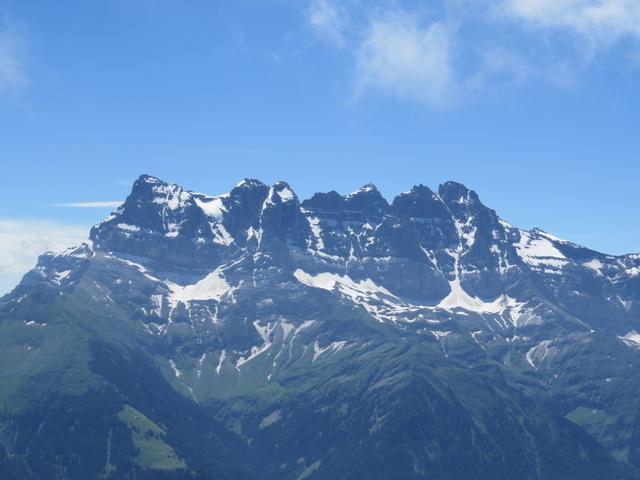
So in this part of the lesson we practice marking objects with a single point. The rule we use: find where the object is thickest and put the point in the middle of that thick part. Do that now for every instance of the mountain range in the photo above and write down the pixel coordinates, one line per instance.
(254, 335)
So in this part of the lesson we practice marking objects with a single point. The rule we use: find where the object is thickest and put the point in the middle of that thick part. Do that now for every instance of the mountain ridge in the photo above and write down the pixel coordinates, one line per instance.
(330, 324)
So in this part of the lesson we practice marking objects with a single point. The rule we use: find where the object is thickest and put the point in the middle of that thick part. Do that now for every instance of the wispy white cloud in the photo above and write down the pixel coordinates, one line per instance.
(22, 241)
(12, 53)
(499, 68)
(107, 204)
(599, 24)
(449, 51)
(329, 20)
(410, 60)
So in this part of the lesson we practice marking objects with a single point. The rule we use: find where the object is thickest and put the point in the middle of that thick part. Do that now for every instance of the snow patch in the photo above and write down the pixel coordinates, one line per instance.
(375, 299)
(223, 355)
(439, 334)
(128, 228)
(633, 271)
(172, 196)
(31, 323)
(537, 354)
(176, 372)
(328, 281)
(459, 298)
(286, 195)
(466, 231)
(212, 207)
(539, 251)
(60, 276)
(287, 328)
(220, 234)
(595, 265)
(316, 230)
(331, 348)
(265, 334)
(212, 287)
(135, 265)
(369, 187)
(631, 339)
(200, 364)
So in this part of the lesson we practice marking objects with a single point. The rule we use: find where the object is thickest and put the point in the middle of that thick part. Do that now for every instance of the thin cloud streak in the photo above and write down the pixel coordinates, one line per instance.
(107, 204)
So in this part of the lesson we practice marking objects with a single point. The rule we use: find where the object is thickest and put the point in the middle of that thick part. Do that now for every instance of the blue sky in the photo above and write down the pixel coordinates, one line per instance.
(533, 103)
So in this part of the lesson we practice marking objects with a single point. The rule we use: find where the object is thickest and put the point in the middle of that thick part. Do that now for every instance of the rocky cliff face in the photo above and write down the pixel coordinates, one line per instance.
(426, 338)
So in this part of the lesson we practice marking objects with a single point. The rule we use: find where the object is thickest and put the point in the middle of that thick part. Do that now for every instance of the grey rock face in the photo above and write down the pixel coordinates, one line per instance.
(348, 310)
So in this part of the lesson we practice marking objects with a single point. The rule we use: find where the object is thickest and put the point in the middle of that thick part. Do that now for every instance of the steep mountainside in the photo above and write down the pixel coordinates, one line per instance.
(251, 335)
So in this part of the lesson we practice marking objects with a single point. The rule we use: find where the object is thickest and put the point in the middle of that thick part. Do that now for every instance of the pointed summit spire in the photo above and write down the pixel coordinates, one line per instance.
(366, 188)
(325, 202)
(249, 183)
(367, 199)
(283, 192)
(420, 202)
(145, 188)
(456, 193)
(145, 178)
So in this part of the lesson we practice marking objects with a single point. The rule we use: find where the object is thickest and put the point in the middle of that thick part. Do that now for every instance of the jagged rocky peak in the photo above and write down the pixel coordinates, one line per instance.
(170, 211)
(466, 207)
(148, 179)
(368, 200)
(166, 222)
(281, 192)
(329, 202)
(250, 183)
(150, 188)
(158, 205)
(455, 194)
(420, 202)
(244, 204)
(282, 219)
(152, 204)
(249, 189)
(211, 301)
(365, 202)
